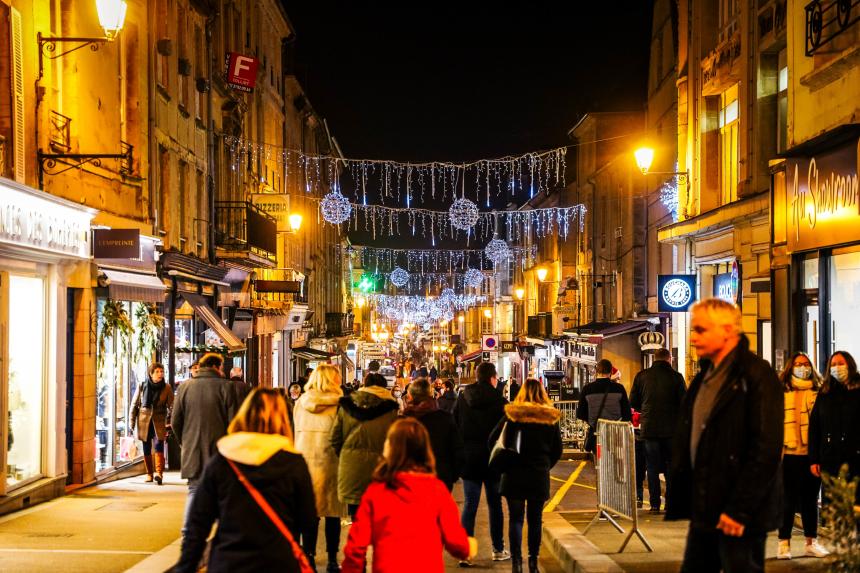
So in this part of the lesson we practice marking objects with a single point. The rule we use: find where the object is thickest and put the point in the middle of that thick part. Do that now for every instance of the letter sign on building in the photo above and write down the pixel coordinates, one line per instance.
(241, 72)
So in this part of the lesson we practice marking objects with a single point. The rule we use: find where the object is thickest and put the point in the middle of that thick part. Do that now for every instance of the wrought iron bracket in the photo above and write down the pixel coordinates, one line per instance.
(56, 163)
(48, 47)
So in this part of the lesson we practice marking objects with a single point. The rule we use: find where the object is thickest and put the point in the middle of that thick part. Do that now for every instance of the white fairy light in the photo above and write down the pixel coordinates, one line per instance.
(335, 208)
(497, 250)
(473, 278)
(399, 277)
(463, 214)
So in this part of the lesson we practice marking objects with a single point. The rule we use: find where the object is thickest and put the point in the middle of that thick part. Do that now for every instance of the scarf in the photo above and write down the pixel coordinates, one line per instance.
(798, 405)
(151, 391)
(421, 408)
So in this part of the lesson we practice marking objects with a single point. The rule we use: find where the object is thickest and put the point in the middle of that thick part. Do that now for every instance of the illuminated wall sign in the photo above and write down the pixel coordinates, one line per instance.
(727, 285)
(241, 72)
(823, 199)
(278, 206)
(677, 292)
(116, 243)
(31, 218)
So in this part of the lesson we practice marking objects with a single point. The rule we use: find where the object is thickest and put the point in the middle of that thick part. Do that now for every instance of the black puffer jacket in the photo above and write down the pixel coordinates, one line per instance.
(739, 453)
(834, 431)
(478, 409)
(444, 438)
(540, 449)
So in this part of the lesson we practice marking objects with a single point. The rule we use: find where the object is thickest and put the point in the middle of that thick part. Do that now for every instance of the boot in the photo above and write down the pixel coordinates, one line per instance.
(516, 565)
(533, 564)
(332, 566)
(147, 464)
(159, 467)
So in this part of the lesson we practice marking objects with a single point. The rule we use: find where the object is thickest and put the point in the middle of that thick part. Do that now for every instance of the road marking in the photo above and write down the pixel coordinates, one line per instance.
(84, 551)
(559, 495)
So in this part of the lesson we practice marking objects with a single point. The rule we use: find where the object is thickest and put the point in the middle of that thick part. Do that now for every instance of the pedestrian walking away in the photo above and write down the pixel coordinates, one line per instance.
(525, 482)
(313, 416)
(478, 409)
(726, 477)
(202, 411)
(800, 384)
(258, 489)
(150, 415)
(358, 435)
(445, 438)
(407, 514)
(241, 387)
(657, 394)
(604, 399)
(448, 398)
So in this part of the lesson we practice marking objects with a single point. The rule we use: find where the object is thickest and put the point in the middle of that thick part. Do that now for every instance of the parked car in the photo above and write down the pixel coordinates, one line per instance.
(390, 375)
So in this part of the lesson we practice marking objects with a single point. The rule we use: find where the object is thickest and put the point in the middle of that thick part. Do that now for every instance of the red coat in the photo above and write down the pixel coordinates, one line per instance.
(407, 526)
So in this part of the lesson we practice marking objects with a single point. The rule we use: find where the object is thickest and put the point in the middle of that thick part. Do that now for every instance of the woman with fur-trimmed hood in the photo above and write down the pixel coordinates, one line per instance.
(526, 483)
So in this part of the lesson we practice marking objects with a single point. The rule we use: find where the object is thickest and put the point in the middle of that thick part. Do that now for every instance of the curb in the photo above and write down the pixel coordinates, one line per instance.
(160, 560)
(572, 550)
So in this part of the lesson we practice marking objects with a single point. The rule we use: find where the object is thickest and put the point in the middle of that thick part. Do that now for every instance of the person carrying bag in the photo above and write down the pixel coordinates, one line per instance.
(602, 399)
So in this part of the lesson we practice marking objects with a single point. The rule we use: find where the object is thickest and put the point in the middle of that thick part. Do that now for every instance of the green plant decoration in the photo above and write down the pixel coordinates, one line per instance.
(842, 514)
(115, 322)
(149, 326)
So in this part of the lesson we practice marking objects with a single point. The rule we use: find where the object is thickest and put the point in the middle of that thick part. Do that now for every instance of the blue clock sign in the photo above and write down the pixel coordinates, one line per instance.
(676, 292)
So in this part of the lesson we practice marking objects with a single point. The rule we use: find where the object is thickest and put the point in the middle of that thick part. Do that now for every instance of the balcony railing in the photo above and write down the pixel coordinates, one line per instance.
(243, 230)
(826, 20)
(338, 323)
(279, 285)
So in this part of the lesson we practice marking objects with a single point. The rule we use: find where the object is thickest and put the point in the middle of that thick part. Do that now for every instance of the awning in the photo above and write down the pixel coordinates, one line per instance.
(609, 329)
(138, 287)
(312, 354)
(213, 321)
(470, 356)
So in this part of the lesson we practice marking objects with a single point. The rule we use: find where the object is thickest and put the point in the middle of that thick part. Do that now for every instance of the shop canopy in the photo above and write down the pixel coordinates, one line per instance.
(208, 315)
(470, 356)
(312, 354)
(141, 287)
(609, 329)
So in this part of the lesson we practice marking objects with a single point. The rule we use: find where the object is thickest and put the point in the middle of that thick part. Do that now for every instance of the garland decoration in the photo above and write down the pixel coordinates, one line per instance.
(335, 208)
(463, 214)
(399, 277)
(473, 278)
(497, 250)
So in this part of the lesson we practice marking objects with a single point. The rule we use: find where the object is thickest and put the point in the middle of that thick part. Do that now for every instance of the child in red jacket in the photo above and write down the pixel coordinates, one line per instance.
(407, 513)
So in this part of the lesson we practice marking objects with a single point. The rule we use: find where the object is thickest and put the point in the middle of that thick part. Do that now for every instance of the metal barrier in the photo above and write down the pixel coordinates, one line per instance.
(573, 431)
(616, 477)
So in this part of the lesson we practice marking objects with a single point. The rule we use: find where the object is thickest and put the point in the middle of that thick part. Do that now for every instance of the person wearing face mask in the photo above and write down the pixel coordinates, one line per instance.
(397, 392)
(834, 433)
(800, 384)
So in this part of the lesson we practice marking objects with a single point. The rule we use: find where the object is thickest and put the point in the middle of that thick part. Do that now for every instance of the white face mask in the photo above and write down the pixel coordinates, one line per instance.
(802, 372)
(397, 394)
(839, 372)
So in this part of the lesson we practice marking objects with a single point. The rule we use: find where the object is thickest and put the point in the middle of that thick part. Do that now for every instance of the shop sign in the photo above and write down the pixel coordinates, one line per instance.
(823, 199)
(278, 286)
(277, 206)
(652, 341)
(677, 292)
(262, 231)
(489, 342)
(727, 285)
(507, 346)
(241, 72)
(29, 220)
(583, 352)
(116, 243)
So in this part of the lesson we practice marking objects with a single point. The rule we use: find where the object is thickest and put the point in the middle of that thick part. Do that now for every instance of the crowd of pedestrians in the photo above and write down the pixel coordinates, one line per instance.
(271, 467)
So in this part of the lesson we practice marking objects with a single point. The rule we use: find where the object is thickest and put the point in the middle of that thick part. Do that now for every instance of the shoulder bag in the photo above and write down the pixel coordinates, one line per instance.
(506, 449)
(298, 553)
(591, 438)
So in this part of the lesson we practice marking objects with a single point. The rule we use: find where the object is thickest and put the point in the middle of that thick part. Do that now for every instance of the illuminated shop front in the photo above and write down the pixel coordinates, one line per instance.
(43, 242)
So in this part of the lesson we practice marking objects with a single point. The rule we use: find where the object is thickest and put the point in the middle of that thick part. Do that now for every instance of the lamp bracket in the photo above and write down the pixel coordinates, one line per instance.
(48, 47)
(56, 163)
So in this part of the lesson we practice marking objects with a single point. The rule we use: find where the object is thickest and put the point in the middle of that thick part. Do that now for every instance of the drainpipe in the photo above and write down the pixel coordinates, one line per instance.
(210, 132)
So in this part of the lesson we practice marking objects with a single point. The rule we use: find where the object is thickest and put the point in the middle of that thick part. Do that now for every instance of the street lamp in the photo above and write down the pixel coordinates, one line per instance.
(295, 222)
(520, 292)
(488, 313)
(111, 16)
(359, 302)
(461, 319)
(541, 273)
(645, 157)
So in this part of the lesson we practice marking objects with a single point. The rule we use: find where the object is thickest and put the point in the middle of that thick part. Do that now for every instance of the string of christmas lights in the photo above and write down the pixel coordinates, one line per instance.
(429, 260)
(419, 309)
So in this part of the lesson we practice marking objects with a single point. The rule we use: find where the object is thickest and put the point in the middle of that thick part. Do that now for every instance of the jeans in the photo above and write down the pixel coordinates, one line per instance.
(152, 437)
(472, 494)
(332, 538)
(518, 509)
(192, 489)
(658, 452)
(709, 551)
(801, 492)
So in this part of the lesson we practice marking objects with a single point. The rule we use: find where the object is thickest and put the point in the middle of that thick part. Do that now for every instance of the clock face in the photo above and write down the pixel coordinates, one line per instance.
(677, 293)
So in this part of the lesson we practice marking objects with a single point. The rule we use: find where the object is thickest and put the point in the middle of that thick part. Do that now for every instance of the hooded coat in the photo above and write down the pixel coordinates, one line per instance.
(444, 439)
(540, 449)
(158, 414)
(313, 417)
(357, 437)
(478, 409)
(408, 526)
(246, 539)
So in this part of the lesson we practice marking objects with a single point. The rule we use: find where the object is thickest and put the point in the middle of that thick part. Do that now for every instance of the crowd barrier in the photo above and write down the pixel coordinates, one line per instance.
(573, 431)
(615, 464)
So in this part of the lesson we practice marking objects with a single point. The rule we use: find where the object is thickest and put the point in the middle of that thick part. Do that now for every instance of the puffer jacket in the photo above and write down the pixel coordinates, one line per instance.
(479, 408)
(834, 431)
(313, 416)
(358, 435)
(444, 439)
(159, 414)
(540, 449)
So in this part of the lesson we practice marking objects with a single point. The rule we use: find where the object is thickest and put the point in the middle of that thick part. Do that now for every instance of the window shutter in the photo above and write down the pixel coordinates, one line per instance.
(18, 94)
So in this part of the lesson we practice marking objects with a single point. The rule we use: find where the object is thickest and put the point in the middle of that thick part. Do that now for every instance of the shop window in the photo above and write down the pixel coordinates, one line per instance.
(26, 376)
(162, 59)
(729, 128)
(845, 302)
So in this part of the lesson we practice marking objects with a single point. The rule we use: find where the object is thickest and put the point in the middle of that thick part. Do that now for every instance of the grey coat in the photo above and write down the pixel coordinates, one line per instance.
(202, 410)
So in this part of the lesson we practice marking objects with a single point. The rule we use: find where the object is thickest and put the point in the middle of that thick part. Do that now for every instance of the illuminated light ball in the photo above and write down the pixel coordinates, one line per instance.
(447, 294)
(399, 277)
(474, 277)
(335, 208)
(463, 214)
(497, 251)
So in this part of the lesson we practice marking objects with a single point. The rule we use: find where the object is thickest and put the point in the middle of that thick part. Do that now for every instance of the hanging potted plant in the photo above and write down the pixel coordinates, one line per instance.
(149, 326)
(115, 325)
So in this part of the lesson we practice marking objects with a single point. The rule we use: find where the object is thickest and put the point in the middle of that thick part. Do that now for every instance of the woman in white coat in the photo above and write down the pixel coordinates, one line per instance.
(313, 416)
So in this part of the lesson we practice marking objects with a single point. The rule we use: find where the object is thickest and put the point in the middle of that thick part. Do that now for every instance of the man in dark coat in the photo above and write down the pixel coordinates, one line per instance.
(478, 409)
(444, 436)
(726, 476)
(448, 398)
(203, 409)
(657, 394)
(603, 399)
(241, 387)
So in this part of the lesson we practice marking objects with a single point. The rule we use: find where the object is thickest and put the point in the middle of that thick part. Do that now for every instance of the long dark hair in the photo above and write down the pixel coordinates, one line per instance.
(829, 381)
(408, 451)
(785, 376)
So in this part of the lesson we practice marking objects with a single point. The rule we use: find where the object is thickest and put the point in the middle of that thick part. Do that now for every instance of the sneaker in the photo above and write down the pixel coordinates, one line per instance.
(784, 549)
(815, 549)
(466, 563)
(502, 555)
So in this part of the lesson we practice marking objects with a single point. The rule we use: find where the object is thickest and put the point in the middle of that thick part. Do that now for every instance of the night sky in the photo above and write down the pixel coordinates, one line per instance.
(467, 80)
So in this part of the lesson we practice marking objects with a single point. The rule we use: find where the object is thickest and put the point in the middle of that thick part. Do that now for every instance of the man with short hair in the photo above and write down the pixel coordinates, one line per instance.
(448, 398)
(603, 399)
(444, 436)
(726, 476)
(202, 411)
(657, 394)
(241, 387)
(478, 409)
(373, 366)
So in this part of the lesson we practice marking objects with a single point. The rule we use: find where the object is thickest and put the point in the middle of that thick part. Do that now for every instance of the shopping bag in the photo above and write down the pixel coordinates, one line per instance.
(127, 448)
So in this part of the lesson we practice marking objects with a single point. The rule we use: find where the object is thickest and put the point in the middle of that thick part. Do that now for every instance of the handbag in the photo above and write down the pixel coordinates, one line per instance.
(298, 553)
(591, 437)
(505, 450)
(128, 448)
